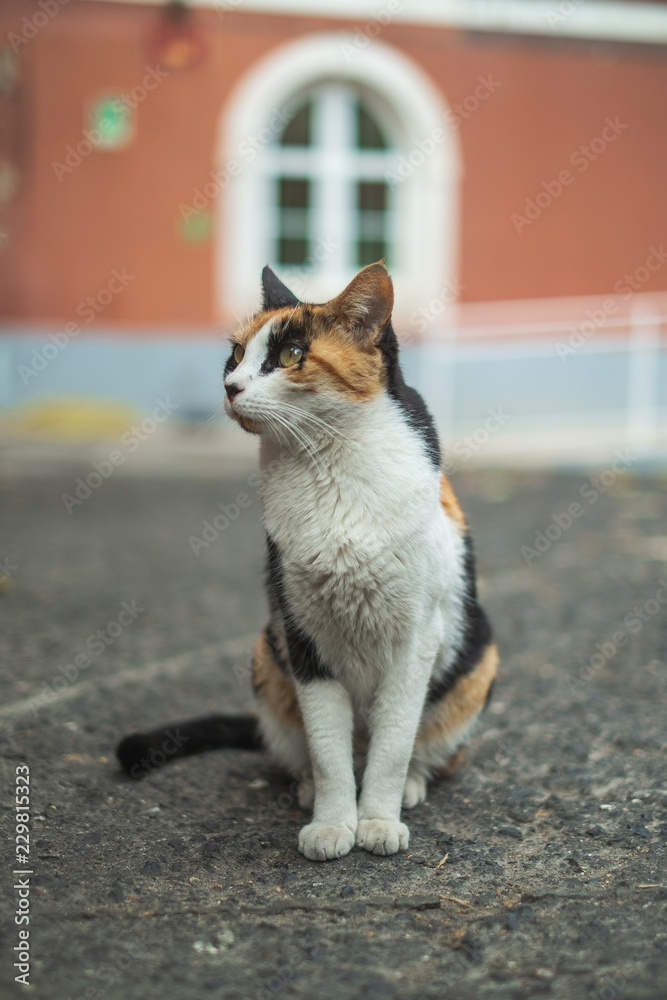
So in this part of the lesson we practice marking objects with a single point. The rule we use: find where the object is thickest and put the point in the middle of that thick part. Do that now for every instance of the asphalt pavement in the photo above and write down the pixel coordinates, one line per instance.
(539, 869)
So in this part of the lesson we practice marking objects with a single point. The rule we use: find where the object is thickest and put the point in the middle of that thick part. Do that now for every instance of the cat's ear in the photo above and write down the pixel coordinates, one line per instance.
(365, 306)
(276, 295)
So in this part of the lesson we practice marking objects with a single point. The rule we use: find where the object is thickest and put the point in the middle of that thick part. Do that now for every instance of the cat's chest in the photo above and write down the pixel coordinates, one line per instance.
(349, 511)
(330, 525)
(352, 543)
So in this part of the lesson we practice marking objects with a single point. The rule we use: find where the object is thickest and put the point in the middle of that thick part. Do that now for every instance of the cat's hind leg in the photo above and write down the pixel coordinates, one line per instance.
(446, 725)
(306, 792)
(414, 792)
(280, 719)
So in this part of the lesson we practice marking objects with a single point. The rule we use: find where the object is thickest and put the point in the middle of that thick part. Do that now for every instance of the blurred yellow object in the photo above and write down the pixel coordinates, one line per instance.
(70, 418)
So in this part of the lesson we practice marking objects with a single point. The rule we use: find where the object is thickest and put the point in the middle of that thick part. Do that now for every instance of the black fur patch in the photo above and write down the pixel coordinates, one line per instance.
(295, 331)
(305, 662)
(231, 363)
(408, 399)
(476, 637)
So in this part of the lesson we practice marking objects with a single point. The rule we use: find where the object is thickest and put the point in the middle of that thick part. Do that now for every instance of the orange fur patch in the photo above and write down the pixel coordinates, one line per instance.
(450, 503)
(334, 361)
(461, 704)
(250, 425)
(273, 686)
(452, 765)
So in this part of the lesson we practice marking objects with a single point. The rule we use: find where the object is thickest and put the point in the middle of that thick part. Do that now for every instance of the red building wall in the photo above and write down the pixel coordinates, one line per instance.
(119, 210)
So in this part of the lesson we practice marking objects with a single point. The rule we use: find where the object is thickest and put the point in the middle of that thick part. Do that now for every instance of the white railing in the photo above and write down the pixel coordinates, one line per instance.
(576, 377)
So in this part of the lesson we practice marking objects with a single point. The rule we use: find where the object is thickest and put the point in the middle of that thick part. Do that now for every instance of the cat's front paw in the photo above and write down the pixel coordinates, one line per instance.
(382, 836)
(319, 842)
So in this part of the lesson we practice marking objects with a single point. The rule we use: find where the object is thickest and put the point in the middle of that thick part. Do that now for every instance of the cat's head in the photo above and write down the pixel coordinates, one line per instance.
(294, 359)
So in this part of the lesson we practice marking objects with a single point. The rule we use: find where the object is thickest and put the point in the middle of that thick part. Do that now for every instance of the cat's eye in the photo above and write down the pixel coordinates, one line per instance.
(289, 356)
(238, 354)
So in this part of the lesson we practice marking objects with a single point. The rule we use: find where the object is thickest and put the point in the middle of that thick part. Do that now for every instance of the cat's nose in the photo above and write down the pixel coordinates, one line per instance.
(232, 390)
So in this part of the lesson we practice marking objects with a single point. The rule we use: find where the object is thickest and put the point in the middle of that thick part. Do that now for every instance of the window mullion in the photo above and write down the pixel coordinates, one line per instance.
(333, 200)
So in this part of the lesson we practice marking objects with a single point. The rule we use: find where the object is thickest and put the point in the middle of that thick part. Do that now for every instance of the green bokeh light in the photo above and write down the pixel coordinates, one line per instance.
(197, 227)
(111, 117)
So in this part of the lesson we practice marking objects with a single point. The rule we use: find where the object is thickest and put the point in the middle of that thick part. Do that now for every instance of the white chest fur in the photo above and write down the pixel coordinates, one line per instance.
(370, 561)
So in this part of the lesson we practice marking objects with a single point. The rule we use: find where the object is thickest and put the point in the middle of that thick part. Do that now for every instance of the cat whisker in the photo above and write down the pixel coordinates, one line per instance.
(309, 416)
(277, 430)
(300, 433)
(305, 415)
(275, 420)
(301, 437)
(234, 314)
(210, 420)
(303, 440)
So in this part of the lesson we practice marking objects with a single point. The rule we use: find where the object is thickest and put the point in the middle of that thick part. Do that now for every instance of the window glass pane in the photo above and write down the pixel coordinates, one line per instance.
(291, 251)
(370, 251)
(297, 132)
(371, 226)
(293, 242)
(372, 208)
(294, 192)
(372, 195)
(369, 133)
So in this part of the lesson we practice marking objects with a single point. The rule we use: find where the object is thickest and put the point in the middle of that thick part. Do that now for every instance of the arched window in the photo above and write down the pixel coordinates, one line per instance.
(335, 166)
(331, 203)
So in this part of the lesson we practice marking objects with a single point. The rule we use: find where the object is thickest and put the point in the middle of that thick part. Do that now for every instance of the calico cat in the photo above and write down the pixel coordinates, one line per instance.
(377, 659)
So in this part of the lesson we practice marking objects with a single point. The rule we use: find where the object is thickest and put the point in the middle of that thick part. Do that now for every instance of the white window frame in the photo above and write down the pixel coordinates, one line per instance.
(426, 201)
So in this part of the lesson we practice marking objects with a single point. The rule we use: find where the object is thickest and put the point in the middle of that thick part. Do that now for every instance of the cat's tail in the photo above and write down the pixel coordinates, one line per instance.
(141, 753)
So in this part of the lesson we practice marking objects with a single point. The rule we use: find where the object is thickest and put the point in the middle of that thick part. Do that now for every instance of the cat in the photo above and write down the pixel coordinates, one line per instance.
(377, 659)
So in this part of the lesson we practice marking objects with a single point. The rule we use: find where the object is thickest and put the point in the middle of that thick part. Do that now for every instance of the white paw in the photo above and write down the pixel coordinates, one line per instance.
(306, 793)
(414, 791)
(319, 842)
(382, 836)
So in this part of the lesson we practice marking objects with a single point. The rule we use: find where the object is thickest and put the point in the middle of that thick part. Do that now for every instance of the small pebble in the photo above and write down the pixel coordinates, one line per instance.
(205, 948)
(224, 938)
